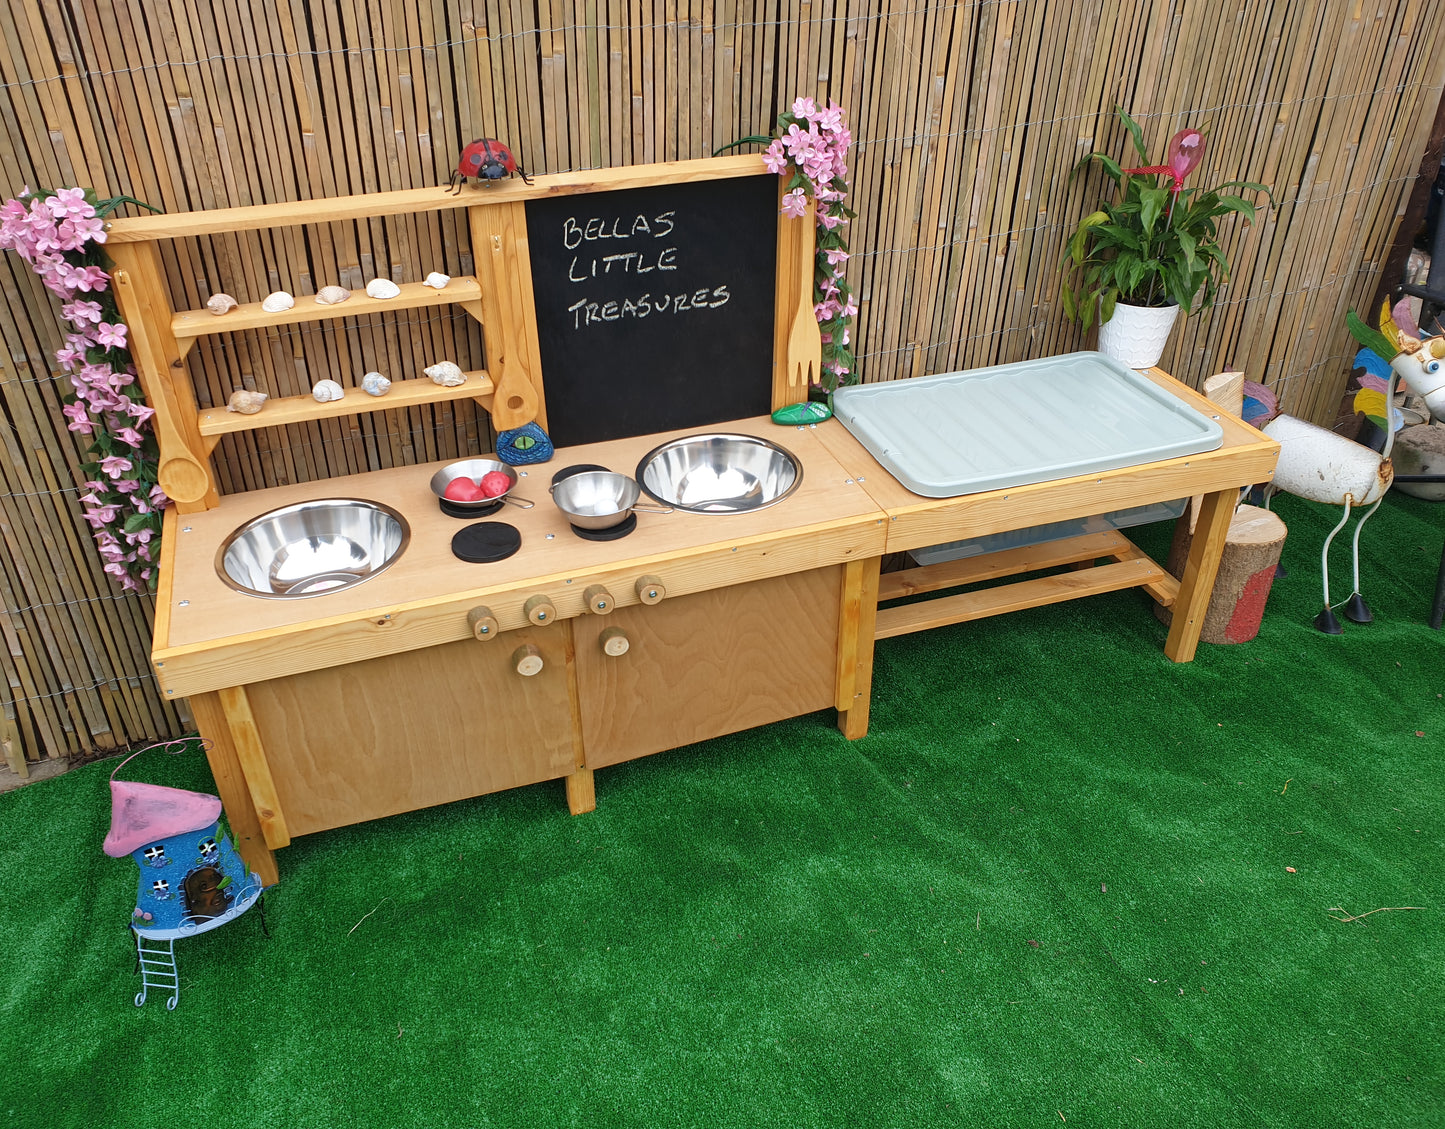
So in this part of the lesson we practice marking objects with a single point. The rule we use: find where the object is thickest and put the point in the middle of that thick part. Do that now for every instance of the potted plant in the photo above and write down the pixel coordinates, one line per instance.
(1140, 259)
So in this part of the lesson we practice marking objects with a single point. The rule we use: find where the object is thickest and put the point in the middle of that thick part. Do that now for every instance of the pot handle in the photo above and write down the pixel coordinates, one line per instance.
(648, 508)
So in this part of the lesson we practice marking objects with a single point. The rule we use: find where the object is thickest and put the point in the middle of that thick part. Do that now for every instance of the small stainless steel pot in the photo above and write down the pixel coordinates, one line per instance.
(599, 499)
(474, 469)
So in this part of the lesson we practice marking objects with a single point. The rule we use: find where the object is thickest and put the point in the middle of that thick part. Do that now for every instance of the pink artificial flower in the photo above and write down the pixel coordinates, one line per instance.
(66, 357)
(830, 119)
(795, 204)
(88, 230)
(69, 202)
(141, 413)
(126, 485)
(79, 419)
(115, 465)
(111, 334)
(774, 157)
(830, 221)
(82, 312)
(91, 278)
(836, 257)
(158, 497)
(101, 516)
(804, 108)
(130, 435)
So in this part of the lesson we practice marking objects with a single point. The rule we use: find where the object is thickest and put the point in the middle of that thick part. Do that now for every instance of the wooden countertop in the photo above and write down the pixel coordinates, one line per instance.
(208, 636)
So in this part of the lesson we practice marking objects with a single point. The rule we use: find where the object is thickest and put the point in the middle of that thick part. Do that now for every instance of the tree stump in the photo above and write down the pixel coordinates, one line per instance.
(1246, 571)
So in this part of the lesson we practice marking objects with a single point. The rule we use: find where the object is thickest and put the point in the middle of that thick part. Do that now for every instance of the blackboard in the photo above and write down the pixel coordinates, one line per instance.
(655, 306)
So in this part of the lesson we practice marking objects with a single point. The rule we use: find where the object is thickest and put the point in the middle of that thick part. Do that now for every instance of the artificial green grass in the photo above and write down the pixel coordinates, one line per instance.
(1049, 887)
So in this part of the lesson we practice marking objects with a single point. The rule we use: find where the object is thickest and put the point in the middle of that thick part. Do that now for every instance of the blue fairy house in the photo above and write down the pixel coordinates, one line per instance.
(191, 878)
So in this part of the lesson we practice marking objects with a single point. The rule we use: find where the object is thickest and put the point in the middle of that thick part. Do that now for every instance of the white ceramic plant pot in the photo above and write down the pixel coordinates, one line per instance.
(1135, 335)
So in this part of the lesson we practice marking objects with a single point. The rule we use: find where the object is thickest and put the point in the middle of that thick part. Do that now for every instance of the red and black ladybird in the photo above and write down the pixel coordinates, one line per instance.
(487, 159)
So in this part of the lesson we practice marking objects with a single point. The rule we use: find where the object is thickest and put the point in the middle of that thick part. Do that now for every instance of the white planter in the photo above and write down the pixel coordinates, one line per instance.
(1135, 335)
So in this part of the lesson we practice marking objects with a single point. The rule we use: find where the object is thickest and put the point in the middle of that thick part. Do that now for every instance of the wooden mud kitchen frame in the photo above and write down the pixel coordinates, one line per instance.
(408, 690)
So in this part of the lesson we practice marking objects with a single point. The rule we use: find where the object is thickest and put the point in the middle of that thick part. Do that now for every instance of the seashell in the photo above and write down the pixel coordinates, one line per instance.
(374, 384)
(331, 295)
(326, 391)
(221, 304)
(446, 374)
(246, 402)
(277, 302)
(382, 288)
(436, 280)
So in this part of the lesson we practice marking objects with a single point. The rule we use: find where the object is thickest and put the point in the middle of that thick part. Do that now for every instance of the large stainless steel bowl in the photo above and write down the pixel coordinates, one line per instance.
(312, 548)
(719, 473)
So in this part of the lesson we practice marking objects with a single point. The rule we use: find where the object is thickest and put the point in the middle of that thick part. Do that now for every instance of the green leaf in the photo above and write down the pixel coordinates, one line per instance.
(1135, 133)
(1153, 201)
(1071, 311)
(1107, 302)
(136, 522)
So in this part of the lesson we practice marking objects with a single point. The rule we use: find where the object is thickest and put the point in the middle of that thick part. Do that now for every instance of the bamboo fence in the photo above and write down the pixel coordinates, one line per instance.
(967, 119)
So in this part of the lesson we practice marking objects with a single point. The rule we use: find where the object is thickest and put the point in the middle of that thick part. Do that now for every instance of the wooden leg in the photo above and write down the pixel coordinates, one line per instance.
(1196, 585)
(231, 784)
(581, 792)
(858, 622)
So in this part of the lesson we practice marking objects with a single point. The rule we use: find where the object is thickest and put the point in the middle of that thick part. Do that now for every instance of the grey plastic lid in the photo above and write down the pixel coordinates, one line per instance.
(1015, 424)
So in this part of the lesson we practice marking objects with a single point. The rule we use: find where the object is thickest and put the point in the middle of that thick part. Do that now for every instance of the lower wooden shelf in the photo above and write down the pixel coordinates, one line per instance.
(215, 422)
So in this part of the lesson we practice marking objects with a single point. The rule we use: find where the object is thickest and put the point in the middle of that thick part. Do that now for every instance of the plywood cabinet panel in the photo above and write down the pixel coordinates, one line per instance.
(706, 664)
(401, 732)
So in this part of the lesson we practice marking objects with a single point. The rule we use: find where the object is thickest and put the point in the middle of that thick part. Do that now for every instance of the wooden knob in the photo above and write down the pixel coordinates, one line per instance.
(540, 610)
(614, 641)
(599, 600)
(650, 590)
(527, 660)
(483, 624)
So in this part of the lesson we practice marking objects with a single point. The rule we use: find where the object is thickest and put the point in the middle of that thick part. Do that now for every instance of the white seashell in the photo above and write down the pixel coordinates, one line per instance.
(326, 391)
(331, 295)
(374, 384)
(221, 304)
(246, 402)
(277, 302)
(436, 280)
(446, 374)
(382, 288)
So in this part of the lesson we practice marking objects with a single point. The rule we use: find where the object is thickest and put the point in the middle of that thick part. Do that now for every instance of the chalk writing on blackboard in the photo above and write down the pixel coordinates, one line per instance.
(608, 246)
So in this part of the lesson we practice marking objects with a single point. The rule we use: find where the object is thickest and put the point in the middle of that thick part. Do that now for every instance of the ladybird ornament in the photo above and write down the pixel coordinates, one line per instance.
(486, 159)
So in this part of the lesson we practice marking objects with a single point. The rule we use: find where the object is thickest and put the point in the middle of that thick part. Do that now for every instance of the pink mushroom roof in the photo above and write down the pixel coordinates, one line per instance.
(147, 813)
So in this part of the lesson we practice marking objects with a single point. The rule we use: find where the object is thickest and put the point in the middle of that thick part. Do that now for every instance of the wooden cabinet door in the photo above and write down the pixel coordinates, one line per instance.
(706, 664)
(407, 731)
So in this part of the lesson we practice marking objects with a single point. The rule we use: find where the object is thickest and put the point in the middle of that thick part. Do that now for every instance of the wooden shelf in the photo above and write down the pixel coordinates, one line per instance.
(215, 422)
(190, 324)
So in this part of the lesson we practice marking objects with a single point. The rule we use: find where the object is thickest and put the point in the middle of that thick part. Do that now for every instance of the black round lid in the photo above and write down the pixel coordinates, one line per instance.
(611, 533)
(486, 542)
(473, 511)
(576, 468)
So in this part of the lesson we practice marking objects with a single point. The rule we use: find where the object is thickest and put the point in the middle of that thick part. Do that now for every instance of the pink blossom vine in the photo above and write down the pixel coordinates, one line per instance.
(59, 234)
(810, 148)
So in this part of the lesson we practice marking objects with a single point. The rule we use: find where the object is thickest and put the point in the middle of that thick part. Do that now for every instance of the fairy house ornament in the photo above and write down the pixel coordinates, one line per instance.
(191, 878)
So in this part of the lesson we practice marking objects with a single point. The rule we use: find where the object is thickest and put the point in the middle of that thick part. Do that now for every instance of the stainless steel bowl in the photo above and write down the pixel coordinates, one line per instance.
(312, 548)
(719, 473)
(474, 469)
(599, 499)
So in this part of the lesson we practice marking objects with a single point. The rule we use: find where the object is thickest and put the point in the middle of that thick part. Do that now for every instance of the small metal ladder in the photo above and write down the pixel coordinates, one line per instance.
(157, 968)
